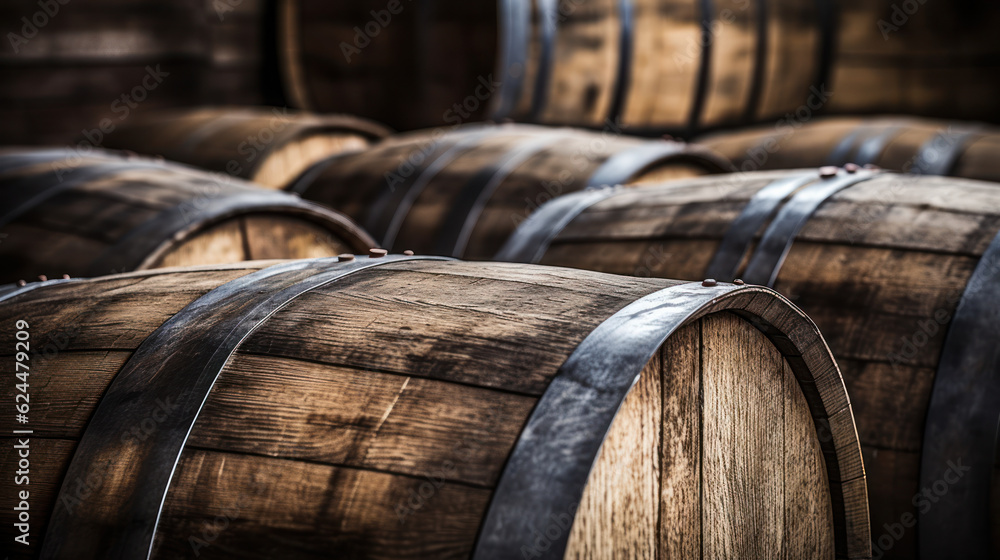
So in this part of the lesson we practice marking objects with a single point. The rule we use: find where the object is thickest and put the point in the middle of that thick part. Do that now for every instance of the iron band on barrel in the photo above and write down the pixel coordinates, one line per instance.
(179, 362)
(961, 426)
(548, 469)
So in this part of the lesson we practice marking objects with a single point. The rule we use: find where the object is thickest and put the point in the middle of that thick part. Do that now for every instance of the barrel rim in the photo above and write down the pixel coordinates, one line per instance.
(547, 471)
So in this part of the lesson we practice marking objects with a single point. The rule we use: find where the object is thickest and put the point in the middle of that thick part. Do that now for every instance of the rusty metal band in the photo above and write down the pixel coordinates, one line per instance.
(179, 363)
(515, 27)
(934, 159)
(960, 434)
(626, 51)
(532, 238)
(762, 207)
(462, 217)
(765, 264)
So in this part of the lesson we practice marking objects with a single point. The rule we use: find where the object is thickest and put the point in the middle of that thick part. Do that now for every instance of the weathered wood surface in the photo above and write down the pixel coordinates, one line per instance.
(881, 266)
(660, 65)
(374, 415)
(462, 192)
(268, 146)
(64, 214)
(911, 145)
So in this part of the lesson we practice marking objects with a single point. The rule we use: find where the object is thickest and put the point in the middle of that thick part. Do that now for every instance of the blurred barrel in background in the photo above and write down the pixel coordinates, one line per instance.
(920, 146)
(97, 214)
(401, 408)
(461, 192)
(269, 146)
(663, 65)
(86, 67)
(902, 275)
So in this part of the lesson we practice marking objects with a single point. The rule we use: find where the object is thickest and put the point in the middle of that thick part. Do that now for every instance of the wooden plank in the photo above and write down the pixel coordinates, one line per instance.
(743, 442)
(361, 419)
(258, 507)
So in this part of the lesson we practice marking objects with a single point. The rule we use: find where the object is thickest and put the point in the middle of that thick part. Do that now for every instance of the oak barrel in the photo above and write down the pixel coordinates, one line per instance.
(461, 191)
(901, 274)
(86, 215)
(666, 65)
(269, 146)
(920, 146)
(415, 407)
(85, 68)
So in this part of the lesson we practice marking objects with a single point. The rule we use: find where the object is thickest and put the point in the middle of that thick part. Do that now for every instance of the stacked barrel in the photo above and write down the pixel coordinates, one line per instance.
(552, 279)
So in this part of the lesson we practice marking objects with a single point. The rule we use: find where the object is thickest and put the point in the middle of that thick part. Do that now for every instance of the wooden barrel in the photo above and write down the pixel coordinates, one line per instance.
(899, 272)
(461, 192)
(269, 146)
(920, 146)
(415, 407)
(675, 65)
(64, 213)
(72, 69)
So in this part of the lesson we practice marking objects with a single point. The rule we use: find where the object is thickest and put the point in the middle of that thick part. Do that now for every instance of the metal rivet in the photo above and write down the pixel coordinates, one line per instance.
(43, 278)
(408, 253)
(65, 276)
(345, 258)
(739, 282)
(22, 283)
(710, 283)
(828, 171)
(851, 167)
(377, 253)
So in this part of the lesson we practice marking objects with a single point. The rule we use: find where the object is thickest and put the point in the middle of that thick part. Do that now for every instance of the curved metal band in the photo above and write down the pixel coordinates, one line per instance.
(873, 146)
(532, 238)
(18, 159)
(704, 67)
(843, 152)
(138, 246)
(386, 215)
(626, 50)
(546, 473)
(549, 18)
(780, 235)
(761, 208)
(960, 435)
(11, 291)
(25, 193)
(931, 159)
(456, 229)
(177, 364)
(625, 165)
(515, 26)
(306, 179)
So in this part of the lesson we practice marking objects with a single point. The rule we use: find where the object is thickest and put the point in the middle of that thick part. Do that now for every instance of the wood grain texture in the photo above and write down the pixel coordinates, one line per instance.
(375, 415)
(880, 267)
